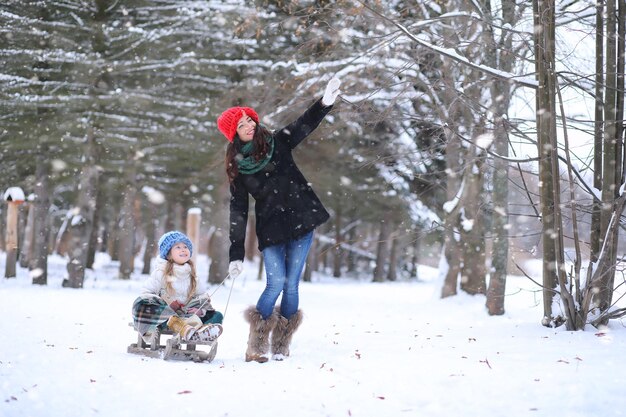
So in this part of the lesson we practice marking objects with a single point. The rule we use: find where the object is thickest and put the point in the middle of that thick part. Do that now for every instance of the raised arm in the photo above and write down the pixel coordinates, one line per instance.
(296, 131)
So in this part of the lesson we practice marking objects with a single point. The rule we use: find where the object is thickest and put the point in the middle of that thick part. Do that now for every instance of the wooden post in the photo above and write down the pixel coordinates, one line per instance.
(193, 230)
(11, 239)
(14, 196)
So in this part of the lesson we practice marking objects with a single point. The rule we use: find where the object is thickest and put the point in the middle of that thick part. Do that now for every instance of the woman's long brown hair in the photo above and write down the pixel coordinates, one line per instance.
(261, 147)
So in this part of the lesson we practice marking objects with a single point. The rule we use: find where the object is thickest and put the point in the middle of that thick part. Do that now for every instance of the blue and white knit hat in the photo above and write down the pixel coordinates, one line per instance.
(169, 239)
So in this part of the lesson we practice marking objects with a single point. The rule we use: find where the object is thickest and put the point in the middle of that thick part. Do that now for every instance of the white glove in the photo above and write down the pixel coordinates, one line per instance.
(331, 92)
(235, 268)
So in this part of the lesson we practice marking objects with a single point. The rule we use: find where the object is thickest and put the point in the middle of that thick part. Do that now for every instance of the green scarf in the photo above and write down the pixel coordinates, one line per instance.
(249, 165)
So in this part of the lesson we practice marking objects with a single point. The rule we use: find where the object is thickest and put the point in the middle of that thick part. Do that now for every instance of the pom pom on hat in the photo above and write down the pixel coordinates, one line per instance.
(169, 239)
(227, 122)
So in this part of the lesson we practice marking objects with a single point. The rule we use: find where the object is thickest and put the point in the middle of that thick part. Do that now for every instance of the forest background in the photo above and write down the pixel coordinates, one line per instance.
(470, 135)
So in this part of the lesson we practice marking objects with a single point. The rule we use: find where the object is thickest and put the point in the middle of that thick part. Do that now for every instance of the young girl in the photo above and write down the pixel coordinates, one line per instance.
(260, 163)
(172, 297)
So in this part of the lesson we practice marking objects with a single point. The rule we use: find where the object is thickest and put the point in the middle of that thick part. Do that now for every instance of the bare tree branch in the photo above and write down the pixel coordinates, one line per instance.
(521, 80)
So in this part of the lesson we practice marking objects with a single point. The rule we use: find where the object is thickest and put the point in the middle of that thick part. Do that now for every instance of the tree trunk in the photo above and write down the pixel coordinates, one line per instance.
(553, 234)
(543, 15)
(95, 230)
(178, 215)
(38, 265)
(151, 238)
(126, 229)
(351, 256)
(596, 229)
(415, 258)
(220, 241)
(473, 271)
(392, 271)
(500, 220)
(621, 63)
(82, 219)
(3, 214)
(382, 249)
(322, 251)
(113, 240)
(612, 155)
(452, 246)
(337, 251)
(170, 223)
(609, 186)
(138, 235)
(595, 275)
(500, 97)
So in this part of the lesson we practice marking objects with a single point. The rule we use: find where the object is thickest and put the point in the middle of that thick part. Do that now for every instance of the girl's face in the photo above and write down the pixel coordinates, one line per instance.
(179, 253)
(245, 128)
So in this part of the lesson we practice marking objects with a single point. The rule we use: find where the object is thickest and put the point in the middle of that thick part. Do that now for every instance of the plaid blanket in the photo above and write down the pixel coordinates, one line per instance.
(150, 311)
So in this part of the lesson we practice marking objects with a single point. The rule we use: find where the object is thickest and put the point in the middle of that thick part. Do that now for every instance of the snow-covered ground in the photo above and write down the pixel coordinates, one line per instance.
(364, 349)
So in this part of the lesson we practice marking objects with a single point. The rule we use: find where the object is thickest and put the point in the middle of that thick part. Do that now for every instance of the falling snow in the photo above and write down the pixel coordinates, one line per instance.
(392, 349)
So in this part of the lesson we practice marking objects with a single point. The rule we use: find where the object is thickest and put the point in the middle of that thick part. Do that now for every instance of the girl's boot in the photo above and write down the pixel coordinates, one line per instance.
(258, 340)
(283, 333)
(207, 333)
(179, 326)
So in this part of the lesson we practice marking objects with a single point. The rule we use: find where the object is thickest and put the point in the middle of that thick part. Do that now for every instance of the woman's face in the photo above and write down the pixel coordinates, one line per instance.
(245, 128)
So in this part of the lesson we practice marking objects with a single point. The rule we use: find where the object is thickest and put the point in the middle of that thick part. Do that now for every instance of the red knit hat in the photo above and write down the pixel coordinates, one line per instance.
(227, 122)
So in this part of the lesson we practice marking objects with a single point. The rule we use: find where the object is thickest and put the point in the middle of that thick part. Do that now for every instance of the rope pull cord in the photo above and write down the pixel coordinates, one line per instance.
(214, 291)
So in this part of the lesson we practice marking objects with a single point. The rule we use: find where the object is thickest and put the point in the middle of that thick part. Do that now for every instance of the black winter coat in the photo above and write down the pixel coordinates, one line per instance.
(286, 207)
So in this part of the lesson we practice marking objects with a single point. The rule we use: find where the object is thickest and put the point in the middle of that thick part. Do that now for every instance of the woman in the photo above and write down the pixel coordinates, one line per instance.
(260, 163)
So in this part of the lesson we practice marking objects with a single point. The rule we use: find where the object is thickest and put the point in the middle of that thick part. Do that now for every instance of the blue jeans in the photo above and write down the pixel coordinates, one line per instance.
(283, 267)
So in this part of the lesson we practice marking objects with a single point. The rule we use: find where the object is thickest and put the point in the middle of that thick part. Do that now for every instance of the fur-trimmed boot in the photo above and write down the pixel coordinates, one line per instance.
(258, 341)
(283, 333)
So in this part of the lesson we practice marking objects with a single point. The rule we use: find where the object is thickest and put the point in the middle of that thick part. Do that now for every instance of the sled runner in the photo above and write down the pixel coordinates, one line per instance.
(173, 348)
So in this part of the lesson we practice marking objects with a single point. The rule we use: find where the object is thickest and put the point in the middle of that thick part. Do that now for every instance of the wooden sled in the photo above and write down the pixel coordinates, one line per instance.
(173, 348)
